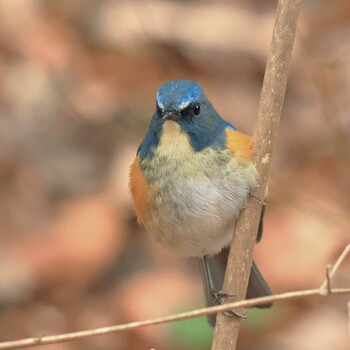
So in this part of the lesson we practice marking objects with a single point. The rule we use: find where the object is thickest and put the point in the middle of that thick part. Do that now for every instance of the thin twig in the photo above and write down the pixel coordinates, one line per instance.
(59, 338)
(336, 265)
(328, 279)
(269, 111)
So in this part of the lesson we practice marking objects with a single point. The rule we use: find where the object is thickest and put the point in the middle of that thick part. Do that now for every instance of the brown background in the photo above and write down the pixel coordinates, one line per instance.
(77, 89)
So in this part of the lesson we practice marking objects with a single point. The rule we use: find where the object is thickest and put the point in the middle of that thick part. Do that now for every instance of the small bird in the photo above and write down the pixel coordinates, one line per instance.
(192, 175)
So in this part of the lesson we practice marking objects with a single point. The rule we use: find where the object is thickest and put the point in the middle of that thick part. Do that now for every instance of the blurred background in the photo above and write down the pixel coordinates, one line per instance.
(77, 89)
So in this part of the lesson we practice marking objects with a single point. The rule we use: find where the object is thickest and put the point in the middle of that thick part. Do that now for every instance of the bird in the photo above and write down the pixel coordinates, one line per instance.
(191, 177)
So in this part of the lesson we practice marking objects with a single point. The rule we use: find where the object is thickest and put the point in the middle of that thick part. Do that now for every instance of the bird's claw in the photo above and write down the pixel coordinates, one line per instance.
(217, 295)
(231, 313)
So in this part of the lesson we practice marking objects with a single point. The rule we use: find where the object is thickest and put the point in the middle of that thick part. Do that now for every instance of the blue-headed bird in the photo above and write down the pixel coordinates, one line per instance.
(191, 177)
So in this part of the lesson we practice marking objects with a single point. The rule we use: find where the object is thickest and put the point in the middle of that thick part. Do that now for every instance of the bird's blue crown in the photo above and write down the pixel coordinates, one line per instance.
(178, 94)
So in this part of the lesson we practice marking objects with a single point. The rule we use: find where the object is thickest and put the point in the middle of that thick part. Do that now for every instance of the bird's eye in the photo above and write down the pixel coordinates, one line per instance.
(196, 109)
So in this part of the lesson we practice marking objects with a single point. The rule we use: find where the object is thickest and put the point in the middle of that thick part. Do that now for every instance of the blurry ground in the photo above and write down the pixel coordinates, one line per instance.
(77, 89)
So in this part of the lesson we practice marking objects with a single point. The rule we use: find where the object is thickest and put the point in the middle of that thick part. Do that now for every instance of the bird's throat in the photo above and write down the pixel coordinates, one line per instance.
(174, 142)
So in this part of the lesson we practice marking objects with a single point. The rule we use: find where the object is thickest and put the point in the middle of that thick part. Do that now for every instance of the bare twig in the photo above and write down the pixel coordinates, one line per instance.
(59, 338)
(43, 340)
(269, 111)
(336, 265)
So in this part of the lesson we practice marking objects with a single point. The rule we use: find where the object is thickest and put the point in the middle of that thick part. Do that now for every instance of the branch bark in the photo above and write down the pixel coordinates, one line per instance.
(269, 111)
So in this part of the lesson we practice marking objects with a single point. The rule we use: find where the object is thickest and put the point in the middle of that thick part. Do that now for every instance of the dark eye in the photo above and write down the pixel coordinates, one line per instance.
(196, 109)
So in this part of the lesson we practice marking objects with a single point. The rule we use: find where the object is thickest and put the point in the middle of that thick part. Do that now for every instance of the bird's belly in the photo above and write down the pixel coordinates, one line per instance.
(195, 217)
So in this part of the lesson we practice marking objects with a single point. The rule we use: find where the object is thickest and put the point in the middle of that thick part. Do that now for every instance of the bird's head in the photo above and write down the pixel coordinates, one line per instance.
(184, 103)
(180, 100)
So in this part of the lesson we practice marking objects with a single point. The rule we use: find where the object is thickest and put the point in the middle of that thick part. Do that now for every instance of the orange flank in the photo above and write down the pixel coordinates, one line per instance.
(240, 144)
(139, 191)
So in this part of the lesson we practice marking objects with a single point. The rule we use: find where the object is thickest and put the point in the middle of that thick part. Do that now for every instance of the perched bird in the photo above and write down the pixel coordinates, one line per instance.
(191, 177)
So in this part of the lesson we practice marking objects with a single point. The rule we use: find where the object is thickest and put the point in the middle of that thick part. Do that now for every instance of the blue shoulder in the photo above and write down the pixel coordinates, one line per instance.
(230, 127)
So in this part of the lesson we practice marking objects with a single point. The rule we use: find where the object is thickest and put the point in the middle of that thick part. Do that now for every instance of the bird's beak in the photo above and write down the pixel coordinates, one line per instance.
(171, 115)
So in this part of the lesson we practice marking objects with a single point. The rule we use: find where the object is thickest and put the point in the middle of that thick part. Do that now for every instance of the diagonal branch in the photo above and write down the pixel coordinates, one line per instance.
(59, 338)
(269, 111)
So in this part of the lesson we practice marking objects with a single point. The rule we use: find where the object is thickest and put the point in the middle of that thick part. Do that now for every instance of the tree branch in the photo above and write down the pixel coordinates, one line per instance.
(269, 111)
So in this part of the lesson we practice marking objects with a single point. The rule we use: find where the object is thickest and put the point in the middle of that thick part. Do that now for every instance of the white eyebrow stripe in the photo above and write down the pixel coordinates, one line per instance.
(160, 105)
(184, 104)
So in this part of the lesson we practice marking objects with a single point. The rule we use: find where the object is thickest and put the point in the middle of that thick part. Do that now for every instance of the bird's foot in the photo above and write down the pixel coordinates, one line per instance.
(259, 200)
(218, 295)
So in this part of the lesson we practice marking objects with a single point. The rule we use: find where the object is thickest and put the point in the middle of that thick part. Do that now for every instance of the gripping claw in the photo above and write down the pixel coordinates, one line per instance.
(217, 295)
